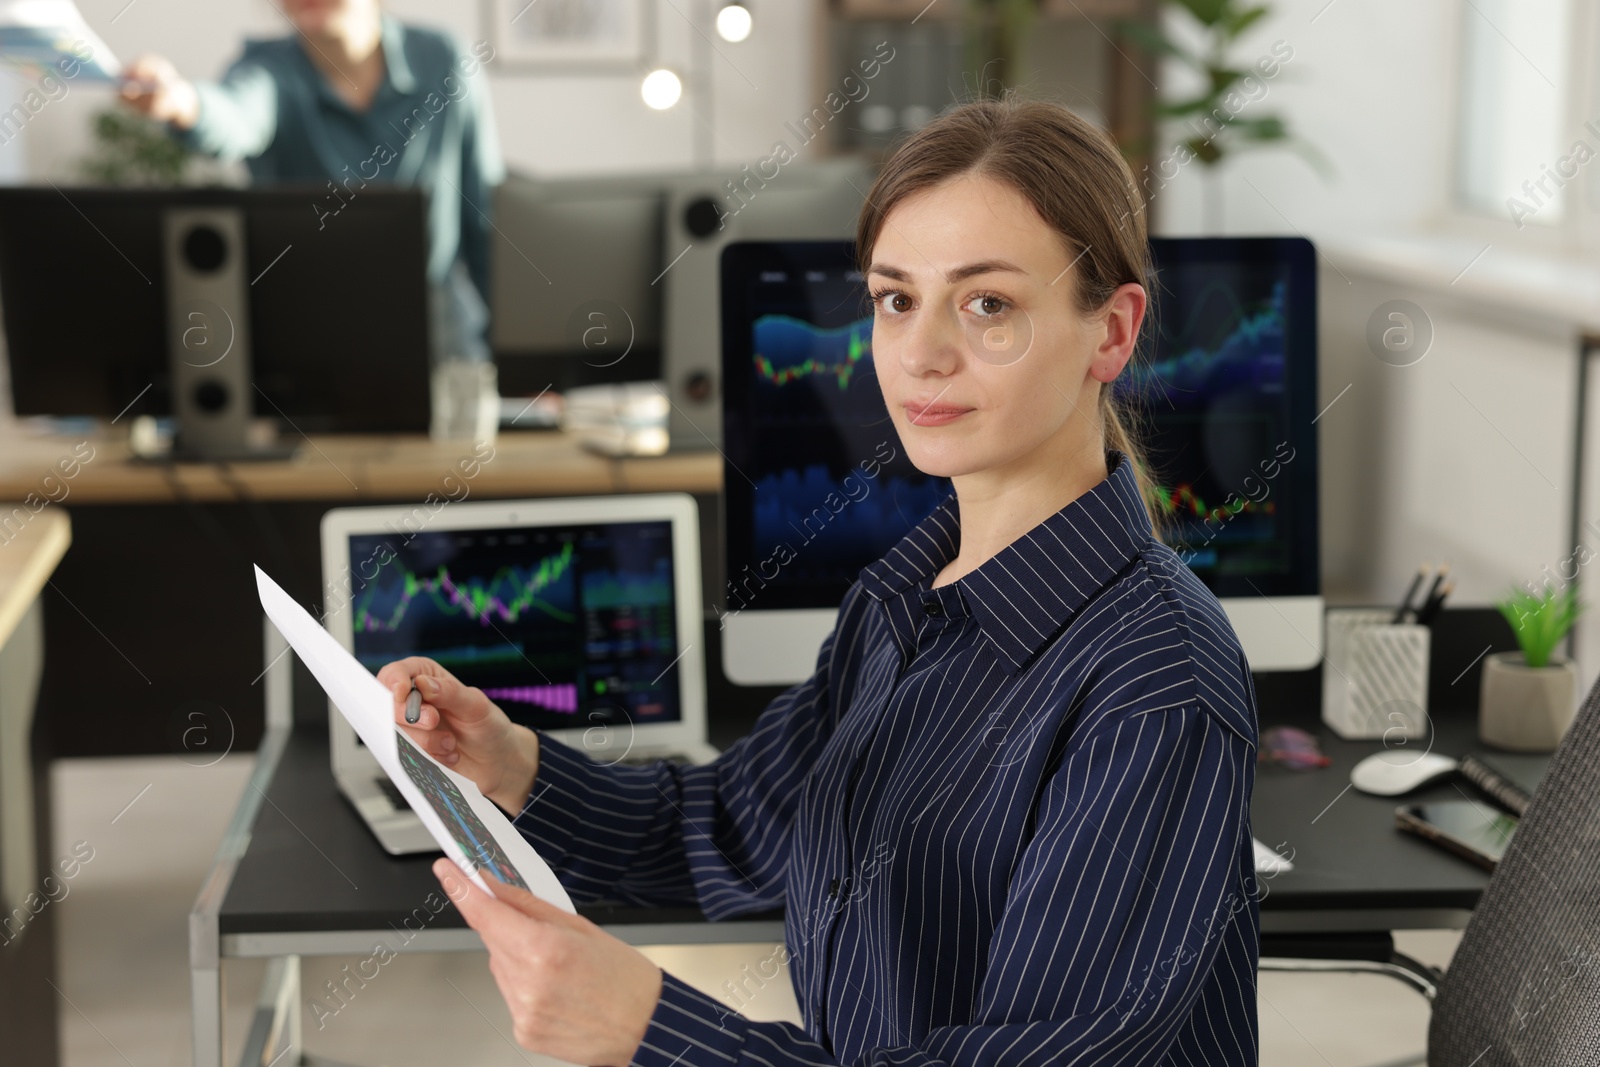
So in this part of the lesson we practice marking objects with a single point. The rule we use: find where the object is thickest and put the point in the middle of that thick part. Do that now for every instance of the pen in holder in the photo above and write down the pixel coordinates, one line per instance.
(1375, 679)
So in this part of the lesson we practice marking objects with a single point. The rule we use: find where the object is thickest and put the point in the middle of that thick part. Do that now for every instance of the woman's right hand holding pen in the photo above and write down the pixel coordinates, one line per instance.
(465, 730)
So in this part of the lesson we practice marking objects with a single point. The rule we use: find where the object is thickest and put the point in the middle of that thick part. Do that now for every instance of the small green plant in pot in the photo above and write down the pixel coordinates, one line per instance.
(1529, 697)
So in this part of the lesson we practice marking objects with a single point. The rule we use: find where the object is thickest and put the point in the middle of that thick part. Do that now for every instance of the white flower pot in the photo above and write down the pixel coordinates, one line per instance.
(1526, 709)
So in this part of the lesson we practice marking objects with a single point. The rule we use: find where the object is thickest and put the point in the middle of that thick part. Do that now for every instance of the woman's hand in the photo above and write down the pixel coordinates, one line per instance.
(575, 992)
(151, 84)
(465, 731)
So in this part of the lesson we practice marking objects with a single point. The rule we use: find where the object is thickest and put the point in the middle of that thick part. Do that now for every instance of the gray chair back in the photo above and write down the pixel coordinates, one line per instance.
(1524, 986)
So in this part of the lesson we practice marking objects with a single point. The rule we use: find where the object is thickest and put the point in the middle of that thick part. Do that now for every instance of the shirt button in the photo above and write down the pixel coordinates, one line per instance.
(833, 889)
(930, 606)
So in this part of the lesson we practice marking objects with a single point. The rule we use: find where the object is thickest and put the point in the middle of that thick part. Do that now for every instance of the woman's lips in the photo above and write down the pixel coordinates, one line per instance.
(934, 414)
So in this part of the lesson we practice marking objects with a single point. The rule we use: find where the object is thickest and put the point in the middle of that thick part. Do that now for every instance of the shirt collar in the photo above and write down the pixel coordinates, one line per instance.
(397, 69)
(397, 72)
(1025, 593)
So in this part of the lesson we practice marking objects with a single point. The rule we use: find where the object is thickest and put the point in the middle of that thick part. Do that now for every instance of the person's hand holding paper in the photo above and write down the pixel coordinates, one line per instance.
(465, 730)
(469, 828)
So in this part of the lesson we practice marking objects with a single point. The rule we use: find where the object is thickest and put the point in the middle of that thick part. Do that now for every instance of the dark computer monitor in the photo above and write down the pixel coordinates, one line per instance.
(575, 263)
(1226, 392)
(338, 303)
(816, 484)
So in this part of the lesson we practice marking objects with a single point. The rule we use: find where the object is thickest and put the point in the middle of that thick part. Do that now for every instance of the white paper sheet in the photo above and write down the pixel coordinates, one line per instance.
(40, 33)
(1268, 861)
(479, 835)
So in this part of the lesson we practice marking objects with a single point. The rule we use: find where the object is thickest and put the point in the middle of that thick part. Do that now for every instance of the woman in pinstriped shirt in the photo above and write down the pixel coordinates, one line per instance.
(1008, 816)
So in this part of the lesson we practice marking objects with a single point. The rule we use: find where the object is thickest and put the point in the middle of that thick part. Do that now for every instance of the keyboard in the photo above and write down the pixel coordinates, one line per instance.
(392, 791)
(645, 759)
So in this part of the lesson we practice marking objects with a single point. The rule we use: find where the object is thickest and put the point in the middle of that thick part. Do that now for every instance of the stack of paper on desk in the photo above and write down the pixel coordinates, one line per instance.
(470, 828)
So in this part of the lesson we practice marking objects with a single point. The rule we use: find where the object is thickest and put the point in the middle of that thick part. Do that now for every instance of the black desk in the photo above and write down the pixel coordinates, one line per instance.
(1352, 869)
(313, 867)
(298, 873)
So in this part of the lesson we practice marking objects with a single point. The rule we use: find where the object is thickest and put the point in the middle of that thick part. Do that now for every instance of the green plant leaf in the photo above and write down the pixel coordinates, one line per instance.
(1152, 40)
(1205, 149)
(1236, 22)
(1206, 12)
(1540, 623)
(1264, 128)
(1222, 78)
(1191, 107)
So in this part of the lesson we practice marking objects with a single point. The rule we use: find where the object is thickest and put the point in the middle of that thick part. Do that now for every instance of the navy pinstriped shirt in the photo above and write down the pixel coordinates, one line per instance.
(1008, 818)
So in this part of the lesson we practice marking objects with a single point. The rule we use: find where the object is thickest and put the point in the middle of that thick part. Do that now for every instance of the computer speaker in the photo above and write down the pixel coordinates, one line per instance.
(208, 328)
(696, 227)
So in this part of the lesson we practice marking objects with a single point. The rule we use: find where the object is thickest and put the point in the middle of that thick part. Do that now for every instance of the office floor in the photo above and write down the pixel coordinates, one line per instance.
(153, 823)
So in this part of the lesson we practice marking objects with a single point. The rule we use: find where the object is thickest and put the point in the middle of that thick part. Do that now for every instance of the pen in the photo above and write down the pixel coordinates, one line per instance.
(1411, 591)
(1433, 590)
(1434, 604)
(413, 704)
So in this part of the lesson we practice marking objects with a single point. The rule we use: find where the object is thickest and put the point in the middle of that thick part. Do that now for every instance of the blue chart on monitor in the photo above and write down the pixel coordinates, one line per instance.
(633, 612)
(1240, 347)
(475, 623)
(797, 364)
(831, 521)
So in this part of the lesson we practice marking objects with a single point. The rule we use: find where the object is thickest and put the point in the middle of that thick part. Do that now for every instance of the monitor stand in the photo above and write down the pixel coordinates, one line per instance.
(277, 452)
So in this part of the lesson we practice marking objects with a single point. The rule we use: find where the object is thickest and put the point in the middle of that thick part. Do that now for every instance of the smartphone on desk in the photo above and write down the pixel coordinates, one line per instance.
(1475, 832)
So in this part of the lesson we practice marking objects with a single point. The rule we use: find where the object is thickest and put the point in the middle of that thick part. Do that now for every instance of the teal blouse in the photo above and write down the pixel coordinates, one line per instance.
(429, 124)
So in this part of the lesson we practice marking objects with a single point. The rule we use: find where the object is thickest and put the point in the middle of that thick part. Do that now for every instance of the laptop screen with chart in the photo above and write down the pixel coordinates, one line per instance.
(556, 624)
(571, 615)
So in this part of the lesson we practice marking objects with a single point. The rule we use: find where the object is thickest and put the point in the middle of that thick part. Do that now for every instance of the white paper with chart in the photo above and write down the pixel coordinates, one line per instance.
(470, 828)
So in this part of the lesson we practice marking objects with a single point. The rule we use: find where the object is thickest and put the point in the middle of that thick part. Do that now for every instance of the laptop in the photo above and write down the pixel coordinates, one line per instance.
(578, 617)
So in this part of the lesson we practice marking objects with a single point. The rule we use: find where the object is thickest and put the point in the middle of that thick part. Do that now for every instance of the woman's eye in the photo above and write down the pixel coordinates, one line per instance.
(894, 302)
(987, 306)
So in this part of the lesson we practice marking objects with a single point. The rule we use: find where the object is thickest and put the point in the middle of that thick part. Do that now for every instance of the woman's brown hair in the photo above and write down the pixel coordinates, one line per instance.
(1072, 173)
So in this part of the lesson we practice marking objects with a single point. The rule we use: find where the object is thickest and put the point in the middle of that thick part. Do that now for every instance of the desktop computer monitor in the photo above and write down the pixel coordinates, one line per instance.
(815, 482)
(574, 266)
(1226, 393)
(338, 305)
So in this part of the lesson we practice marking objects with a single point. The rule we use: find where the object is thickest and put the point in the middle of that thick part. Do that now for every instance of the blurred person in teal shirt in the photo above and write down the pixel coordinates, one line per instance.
(355, 96)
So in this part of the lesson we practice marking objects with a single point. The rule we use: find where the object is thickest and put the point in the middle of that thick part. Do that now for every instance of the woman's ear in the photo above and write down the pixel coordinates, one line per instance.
(1123, 314)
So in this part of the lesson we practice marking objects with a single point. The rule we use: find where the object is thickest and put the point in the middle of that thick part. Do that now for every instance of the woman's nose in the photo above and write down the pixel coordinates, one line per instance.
(933, 345)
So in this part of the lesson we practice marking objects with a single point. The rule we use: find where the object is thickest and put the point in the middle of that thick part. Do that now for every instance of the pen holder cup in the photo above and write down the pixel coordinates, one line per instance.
(1375, 677)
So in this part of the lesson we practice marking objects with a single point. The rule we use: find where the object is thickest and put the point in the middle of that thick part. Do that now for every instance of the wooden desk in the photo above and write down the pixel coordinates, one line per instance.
(350, 469)
(153, 610)
(29, 552)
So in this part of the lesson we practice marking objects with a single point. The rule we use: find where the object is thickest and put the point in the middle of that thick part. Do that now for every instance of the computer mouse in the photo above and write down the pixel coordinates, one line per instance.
(1395, 771)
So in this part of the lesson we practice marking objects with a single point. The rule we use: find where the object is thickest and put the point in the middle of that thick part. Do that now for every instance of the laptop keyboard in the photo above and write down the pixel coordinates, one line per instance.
(645, 759)
(392, 791)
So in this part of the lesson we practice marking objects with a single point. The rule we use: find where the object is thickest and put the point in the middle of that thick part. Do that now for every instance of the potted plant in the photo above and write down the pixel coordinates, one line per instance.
(1221, 115)
(1529, 697)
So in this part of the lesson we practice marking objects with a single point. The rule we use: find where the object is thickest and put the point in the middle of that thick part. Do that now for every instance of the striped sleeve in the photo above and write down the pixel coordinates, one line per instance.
(1112, 924)
(669, 834)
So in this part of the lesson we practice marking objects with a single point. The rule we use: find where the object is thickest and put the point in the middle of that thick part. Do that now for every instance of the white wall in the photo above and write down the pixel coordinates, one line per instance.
(1468, 455)
(1371, 83)
(550, 124)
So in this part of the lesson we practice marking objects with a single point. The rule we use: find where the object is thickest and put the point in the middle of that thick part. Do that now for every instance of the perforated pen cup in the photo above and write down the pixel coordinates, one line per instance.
(1375, 678)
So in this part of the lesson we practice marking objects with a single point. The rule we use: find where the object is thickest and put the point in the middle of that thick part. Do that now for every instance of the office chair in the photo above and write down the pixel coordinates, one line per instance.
(1524, 985)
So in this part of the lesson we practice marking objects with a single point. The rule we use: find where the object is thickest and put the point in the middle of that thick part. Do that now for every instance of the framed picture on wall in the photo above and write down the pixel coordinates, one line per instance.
(570, 33)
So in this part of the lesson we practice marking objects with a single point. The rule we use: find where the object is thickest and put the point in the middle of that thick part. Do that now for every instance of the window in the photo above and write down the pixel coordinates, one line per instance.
(1522, 146)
